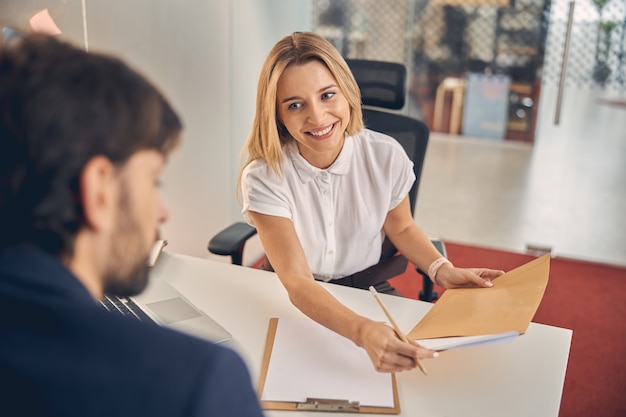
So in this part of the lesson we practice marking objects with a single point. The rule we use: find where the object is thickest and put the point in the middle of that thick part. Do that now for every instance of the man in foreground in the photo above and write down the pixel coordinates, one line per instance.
(83, 141)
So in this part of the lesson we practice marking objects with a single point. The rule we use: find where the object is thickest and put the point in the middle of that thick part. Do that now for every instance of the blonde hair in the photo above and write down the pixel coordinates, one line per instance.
(268, 135)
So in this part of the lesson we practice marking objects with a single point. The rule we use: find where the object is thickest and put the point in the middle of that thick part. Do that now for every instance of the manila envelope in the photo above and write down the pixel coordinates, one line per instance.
(507, 306)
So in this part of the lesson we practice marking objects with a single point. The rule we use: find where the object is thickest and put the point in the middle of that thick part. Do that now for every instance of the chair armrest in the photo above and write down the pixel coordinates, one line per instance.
(441, 247)
(231, 241)
(427, 293)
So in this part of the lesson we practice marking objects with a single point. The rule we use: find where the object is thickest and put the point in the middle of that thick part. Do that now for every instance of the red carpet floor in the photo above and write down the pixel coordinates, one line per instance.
(590, 299)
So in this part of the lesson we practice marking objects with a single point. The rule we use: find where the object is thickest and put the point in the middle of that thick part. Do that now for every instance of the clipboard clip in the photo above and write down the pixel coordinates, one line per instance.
(323, 404)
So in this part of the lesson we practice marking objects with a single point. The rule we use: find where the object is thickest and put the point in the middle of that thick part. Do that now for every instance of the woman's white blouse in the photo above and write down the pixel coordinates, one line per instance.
(338, 212)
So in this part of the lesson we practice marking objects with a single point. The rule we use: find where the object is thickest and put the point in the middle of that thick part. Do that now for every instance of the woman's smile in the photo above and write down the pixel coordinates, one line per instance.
(323, 133)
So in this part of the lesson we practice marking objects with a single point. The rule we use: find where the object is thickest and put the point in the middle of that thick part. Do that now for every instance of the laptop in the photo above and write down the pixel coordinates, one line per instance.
(163, 304)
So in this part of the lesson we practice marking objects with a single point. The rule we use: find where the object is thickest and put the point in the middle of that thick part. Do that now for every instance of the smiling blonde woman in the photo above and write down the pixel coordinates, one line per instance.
(323, 192)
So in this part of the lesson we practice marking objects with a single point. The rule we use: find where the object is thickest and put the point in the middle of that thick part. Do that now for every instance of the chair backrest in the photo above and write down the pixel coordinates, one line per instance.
(382, 84)
(383, 88)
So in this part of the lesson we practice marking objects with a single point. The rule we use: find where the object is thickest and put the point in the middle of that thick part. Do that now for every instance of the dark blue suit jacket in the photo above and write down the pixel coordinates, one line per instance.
(61, 354)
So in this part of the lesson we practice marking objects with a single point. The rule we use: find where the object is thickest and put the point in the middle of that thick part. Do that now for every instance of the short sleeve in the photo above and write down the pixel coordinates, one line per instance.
(403, 175)
(263, 192)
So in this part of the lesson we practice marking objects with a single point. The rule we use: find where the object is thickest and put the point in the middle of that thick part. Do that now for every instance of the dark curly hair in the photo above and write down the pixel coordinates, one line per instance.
(60, 107)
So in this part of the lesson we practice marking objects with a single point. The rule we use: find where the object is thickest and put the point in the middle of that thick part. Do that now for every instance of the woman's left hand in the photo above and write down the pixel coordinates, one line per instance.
(451, 277)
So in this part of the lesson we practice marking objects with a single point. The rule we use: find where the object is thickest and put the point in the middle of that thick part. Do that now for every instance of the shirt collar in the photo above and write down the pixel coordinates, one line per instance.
(30, 267)
(307, 172)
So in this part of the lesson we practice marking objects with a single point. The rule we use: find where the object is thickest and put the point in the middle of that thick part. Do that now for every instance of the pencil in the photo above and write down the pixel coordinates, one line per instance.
(396, 327)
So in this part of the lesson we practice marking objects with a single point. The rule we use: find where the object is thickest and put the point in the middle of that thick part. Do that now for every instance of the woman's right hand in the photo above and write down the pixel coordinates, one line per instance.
(387, 351)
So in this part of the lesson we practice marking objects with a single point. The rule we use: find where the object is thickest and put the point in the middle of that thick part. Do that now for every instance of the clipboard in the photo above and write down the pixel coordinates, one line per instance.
(315, 403)
(508, 306)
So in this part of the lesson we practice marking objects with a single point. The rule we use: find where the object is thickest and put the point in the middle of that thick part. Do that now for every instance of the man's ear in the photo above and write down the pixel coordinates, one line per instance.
(98, 193)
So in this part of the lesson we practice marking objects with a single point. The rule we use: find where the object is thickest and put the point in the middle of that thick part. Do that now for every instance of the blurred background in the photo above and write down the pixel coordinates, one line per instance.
(524, 98)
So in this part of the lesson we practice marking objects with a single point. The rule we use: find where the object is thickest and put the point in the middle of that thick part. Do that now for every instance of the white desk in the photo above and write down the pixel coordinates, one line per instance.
(524, 378)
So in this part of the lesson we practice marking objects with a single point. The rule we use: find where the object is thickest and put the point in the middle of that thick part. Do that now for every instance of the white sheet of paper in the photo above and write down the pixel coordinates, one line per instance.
(308, 360)
(444, 343)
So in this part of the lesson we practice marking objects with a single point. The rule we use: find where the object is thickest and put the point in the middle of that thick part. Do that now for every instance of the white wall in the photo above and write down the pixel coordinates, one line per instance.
(206, 56)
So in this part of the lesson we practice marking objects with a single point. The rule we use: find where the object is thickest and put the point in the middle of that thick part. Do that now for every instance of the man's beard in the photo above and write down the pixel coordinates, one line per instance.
(130, 282)
(128, 270)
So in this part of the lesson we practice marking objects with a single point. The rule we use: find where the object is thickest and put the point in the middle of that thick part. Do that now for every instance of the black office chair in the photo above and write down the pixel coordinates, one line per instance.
(382, 86)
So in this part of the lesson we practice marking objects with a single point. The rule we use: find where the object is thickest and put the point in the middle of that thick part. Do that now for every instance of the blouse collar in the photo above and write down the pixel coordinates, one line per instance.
(307, 172)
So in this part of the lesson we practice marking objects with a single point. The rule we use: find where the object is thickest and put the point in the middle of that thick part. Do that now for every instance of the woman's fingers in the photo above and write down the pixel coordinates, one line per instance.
(390, 354)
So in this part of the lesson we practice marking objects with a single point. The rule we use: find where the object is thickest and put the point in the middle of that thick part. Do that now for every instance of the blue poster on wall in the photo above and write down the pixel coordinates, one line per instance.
(485, 107)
